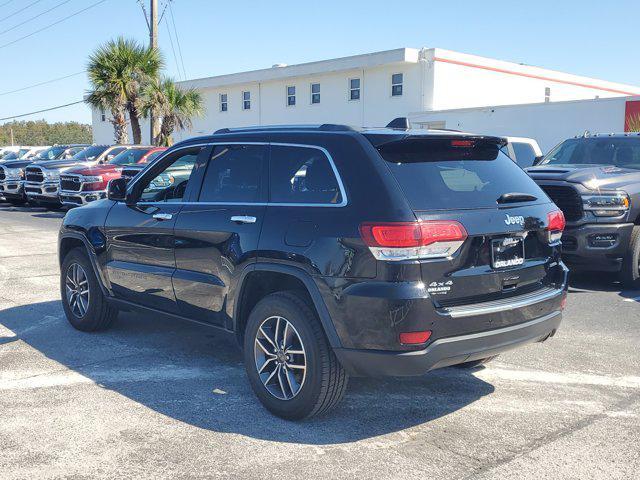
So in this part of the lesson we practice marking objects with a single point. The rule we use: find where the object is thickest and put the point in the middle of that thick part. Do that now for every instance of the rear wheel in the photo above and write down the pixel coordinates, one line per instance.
(290, 364)
(630, 273)
(475, 363)
(82, 298)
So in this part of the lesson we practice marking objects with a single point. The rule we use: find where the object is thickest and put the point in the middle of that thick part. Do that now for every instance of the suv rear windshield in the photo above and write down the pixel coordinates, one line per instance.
(621, 152)
(435, 175)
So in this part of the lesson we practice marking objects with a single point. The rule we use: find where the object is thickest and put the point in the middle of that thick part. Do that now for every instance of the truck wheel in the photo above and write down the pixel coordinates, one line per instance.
(475, 363)
(630, 273)
(82, 298)
(17, 203)
(290, 364)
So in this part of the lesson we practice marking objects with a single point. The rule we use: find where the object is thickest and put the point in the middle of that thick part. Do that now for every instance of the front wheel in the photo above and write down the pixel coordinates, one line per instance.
(83, 302)
(630, 273)
(290, 364)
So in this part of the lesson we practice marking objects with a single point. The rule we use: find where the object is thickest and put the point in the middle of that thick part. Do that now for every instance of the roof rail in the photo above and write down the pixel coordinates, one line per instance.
(326, 127)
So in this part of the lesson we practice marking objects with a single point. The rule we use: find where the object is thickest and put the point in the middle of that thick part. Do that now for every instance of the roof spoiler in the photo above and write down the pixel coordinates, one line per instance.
(400, 123)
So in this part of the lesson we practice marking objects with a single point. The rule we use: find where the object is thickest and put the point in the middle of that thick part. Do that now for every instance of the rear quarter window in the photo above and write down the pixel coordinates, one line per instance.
(434, 175)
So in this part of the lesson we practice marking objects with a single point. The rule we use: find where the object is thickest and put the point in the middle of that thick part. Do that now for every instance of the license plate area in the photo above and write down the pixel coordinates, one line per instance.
(507, 252)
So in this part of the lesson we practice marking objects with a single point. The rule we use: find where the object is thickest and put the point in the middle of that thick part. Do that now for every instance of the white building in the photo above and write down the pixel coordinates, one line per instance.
(374, 88)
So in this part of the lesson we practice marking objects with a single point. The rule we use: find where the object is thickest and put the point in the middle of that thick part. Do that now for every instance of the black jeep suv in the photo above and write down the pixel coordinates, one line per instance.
(595, 180)
(328, 251)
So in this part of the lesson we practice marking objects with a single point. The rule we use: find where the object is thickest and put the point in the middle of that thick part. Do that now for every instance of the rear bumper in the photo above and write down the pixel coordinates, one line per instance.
(448, 351)
(68, 197)
(596, 246)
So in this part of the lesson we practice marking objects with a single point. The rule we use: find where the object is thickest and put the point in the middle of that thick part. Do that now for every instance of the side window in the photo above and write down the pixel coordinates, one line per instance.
(234, 174)
(171, 184)
(525, 155)
(302, 175)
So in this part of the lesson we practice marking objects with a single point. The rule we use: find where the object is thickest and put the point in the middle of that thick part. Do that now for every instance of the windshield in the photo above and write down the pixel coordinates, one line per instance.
(153, 156)
(437, 175)
(89, 154)
(50, 153)
(10, 156)
(129, 157)
(620, 152)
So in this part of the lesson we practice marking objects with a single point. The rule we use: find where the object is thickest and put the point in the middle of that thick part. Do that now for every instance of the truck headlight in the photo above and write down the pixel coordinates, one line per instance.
(612, 204)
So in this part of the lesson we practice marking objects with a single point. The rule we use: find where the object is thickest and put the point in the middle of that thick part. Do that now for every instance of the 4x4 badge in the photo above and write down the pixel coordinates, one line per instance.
(513, 220)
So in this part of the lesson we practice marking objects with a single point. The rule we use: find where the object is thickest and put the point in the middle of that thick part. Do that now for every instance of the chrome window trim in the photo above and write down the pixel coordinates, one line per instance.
(343, 192)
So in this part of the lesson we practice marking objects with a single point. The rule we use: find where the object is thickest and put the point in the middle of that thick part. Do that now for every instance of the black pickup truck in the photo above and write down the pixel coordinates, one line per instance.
(595, 180)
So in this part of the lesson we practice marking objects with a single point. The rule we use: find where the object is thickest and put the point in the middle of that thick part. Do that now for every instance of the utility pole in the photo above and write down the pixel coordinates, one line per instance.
(11, 131)
(153, 43)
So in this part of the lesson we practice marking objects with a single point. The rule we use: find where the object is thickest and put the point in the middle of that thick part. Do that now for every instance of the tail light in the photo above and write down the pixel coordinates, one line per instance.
(555, 225)
(413, 240)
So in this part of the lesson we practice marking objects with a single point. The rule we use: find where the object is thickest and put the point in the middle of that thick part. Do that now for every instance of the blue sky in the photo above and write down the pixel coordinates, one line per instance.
(223, 37)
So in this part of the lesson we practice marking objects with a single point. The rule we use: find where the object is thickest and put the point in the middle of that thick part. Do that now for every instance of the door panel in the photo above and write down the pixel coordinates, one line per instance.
(140, 258)
(211, 252)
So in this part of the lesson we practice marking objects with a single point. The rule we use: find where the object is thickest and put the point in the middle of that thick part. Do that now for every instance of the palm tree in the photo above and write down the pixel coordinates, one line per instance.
(119, 71)
(173, 106)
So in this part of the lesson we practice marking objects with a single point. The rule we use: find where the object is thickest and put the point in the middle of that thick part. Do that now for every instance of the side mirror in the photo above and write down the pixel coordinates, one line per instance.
(537, 160)
(117, 190)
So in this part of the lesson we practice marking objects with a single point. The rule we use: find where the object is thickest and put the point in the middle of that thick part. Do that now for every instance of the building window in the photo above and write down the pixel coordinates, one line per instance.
(291, 96)
(396, 85)
(103, 116)
(246, 100)
(223, 102)
(315, 93)
(354, 89)
(547, 94)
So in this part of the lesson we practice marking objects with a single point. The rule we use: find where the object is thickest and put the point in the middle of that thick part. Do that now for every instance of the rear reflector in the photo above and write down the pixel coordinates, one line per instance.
(415, 338)
(555, 225)
(413, 240)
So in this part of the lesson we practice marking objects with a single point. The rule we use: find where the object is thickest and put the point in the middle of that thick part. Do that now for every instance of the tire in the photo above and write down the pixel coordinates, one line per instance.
(324, 381)
(630, 273)
(475, 363)
(97, 314)
(16, 202)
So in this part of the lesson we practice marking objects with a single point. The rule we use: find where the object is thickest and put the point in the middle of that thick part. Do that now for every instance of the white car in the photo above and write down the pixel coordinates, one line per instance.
(524, 151)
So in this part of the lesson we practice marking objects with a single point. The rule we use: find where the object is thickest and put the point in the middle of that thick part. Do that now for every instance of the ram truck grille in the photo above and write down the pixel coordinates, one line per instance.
(70, 184)
(567, 199)
(34, 174)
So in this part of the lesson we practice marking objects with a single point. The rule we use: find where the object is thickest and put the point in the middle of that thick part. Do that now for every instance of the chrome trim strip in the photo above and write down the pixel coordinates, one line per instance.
(343, 192)
(511, 303)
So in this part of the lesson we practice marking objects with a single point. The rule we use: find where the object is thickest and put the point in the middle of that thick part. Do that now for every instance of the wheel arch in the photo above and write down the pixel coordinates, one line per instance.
(71, 240)
(261, 279)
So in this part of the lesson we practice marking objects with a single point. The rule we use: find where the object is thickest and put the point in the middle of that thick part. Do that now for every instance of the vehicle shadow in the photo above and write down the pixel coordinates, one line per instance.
(195, 375)
(586, 282)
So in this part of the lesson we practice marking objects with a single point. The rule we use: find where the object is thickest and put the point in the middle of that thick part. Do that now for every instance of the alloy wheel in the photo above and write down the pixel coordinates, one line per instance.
(77, 289)
(280, 358)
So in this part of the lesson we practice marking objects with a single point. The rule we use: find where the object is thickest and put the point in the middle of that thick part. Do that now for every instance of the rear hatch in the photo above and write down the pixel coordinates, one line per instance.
(507, 250)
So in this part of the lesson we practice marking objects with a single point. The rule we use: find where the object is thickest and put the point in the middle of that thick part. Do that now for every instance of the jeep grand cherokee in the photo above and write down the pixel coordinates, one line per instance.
(328, 252)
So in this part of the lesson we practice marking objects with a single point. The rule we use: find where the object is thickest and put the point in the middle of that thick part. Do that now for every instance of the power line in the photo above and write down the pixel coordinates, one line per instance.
(41, 83)
(18, 11)
(41, 111)
(53, 24)
(175, 57)
(6, 3)
(34, 17)
(175, 31)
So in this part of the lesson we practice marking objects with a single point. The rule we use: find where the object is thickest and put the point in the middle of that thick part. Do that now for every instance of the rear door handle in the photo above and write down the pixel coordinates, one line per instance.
(162, 216)
(243, 219)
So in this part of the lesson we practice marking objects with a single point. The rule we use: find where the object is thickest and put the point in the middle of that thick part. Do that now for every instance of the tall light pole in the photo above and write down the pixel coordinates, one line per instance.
(153, 43)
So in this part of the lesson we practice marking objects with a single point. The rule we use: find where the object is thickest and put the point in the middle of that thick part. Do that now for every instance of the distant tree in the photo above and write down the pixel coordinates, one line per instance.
(39, 132)
(173, 106)
(119, 71)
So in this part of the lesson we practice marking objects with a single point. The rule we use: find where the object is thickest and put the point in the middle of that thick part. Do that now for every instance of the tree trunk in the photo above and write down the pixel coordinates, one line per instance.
(120, 126)
(135, 125)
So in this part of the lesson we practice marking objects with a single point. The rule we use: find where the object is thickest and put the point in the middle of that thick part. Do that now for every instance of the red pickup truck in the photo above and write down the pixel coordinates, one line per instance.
(88, 184)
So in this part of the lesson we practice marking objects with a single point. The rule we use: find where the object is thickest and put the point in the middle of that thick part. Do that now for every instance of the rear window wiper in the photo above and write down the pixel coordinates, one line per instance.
(514, 197)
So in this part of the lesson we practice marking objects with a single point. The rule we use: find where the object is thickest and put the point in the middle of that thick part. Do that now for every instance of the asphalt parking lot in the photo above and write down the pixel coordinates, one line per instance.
(154, 398)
